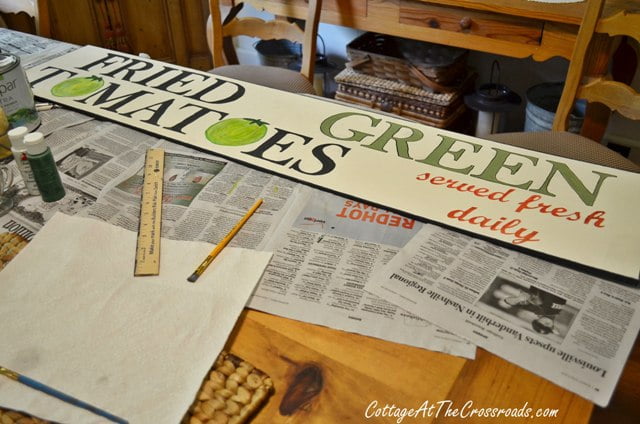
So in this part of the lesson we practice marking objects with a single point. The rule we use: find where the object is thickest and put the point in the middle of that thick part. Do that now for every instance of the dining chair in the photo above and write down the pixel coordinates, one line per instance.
(43, 19)
(616, 96)
(225, 62)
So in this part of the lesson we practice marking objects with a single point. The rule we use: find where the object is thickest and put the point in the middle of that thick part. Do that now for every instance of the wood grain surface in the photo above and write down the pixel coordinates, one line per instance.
(323, 375)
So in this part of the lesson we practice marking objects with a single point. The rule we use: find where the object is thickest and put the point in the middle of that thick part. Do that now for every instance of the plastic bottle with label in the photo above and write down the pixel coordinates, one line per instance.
(19, 150)
(44, 167)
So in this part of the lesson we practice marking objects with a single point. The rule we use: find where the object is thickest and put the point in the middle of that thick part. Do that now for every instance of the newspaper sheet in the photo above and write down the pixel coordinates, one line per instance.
(203, 195)
(323, 261)
(101, 165)
(569, 327)
(31, 49)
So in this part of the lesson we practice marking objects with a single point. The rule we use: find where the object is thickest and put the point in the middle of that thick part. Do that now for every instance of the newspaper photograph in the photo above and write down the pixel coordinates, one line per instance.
(569, 327)
(322, 263)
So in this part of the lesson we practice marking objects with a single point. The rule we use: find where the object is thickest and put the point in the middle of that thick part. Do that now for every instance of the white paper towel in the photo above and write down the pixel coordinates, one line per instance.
(73, 317)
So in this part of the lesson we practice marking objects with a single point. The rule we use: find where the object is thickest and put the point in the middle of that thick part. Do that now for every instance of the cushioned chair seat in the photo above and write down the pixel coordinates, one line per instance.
(568, 145)
(267, 76)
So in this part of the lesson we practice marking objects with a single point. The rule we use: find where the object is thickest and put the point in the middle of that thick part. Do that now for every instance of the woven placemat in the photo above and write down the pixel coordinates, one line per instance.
(10, 245)
(14, 417)
(231, 393)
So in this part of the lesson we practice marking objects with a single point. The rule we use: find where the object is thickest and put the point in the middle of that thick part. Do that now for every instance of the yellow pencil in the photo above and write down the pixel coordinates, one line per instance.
(203, 266)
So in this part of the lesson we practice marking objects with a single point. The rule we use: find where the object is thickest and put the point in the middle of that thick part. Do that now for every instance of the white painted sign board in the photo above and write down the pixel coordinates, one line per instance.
(580, 212)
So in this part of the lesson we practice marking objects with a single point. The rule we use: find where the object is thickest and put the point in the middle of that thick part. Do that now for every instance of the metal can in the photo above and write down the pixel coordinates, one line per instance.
(16, 97)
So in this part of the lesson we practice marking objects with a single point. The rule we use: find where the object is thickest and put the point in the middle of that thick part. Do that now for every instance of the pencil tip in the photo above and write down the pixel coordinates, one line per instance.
(193, 277)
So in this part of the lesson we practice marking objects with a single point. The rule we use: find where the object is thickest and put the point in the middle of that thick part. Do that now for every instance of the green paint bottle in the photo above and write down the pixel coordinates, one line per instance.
(44, 167)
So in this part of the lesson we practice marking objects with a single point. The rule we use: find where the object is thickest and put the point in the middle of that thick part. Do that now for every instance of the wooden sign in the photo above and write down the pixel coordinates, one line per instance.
(580, 212)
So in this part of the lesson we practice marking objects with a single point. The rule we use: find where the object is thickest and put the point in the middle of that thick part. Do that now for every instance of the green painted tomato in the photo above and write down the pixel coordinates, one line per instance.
(78, 86)
(236, 131)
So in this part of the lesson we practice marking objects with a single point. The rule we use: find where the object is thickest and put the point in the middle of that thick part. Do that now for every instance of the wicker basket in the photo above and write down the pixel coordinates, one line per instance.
(230, 394)
(435, 109)
(426, 65)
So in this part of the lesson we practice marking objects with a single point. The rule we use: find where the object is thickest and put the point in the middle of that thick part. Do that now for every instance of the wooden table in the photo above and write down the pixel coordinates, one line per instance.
(322, 375)
(333, 376)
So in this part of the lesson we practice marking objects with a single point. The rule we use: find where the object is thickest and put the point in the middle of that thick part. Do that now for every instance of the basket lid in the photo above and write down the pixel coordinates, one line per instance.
(419, 53)
(429, 54)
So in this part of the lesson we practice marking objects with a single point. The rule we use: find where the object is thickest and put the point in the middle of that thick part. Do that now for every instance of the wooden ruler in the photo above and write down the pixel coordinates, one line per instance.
(150, 227)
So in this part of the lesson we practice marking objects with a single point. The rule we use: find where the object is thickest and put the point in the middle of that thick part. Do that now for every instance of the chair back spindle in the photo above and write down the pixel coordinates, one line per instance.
(220, 33)
(616, 96)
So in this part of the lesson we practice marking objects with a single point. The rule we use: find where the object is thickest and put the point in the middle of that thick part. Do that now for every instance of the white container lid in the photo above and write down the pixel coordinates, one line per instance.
(7, 59)
(16, 135)
(34, 143)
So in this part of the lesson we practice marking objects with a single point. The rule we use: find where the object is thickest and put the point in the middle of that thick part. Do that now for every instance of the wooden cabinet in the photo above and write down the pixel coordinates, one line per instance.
(168, 30)
(457, 19)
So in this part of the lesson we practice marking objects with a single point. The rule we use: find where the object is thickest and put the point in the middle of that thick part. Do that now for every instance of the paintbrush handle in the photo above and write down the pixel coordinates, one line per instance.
(65, 397)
